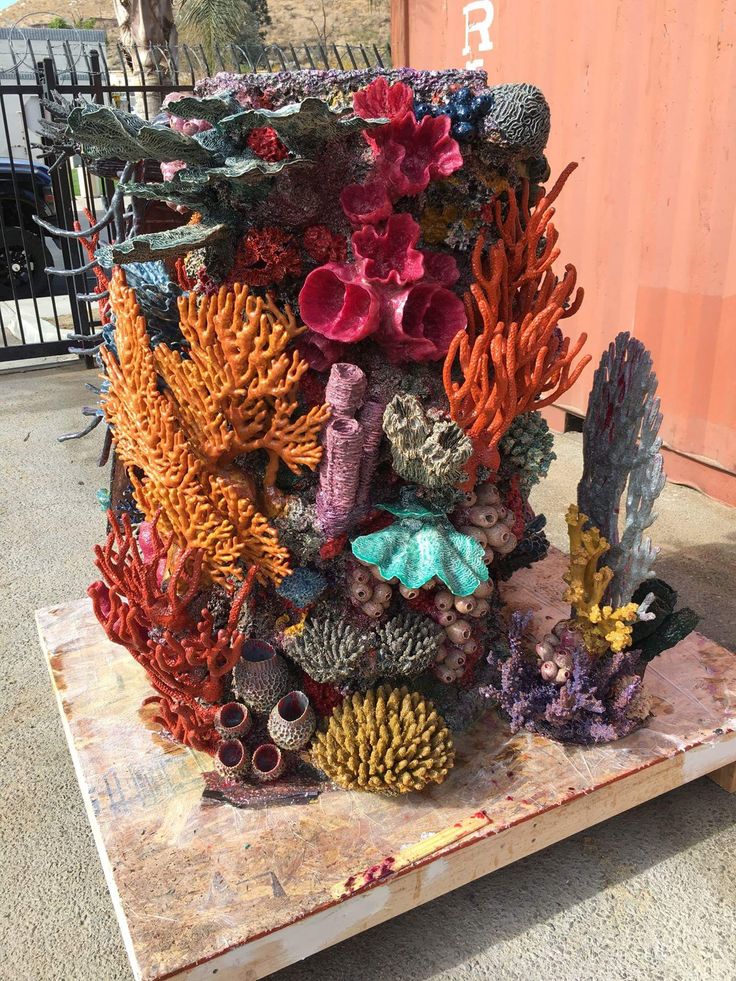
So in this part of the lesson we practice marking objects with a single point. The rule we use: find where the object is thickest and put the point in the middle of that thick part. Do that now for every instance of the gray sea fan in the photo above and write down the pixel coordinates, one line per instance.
(407, 645)
(329, 648)
(428, 452)
(620, 444)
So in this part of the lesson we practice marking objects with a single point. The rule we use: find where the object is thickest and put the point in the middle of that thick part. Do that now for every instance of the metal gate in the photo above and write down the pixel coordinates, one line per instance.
(39, 309)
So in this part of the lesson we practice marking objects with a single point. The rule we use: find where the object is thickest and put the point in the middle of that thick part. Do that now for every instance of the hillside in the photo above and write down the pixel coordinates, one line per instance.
(294, 21)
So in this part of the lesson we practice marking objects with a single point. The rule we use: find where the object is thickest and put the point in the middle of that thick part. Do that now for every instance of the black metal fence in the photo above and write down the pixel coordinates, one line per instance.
(40, 309)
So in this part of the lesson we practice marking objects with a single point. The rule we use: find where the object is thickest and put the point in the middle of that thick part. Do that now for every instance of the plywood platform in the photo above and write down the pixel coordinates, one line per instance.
(202, 889)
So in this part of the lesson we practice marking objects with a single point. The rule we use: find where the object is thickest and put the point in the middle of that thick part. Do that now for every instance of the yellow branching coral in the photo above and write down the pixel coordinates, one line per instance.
(602, 627)
(204, 507)
(235, 392)
(387, 741)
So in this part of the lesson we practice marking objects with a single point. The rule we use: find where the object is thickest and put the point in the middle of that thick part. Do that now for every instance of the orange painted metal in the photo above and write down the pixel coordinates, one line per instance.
(642, 96)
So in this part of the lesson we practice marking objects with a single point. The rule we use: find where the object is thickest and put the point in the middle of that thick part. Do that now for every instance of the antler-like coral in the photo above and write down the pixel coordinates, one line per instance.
(186, 661)
(513, 356)
(202, 507)
(236, 390)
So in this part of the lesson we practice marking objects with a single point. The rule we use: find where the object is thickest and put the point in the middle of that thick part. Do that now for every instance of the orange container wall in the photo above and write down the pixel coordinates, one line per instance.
(642, 96)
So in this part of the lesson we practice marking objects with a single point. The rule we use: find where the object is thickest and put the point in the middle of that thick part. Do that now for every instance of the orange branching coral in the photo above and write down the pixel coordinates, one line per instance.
(201, 506)
(235, 392)
(513, 356)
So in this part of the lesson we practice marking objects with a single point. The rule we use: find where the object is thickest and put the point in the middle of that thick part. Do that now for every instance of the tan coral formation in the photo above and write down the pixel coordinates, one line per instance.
(387, 741)
(204, 505)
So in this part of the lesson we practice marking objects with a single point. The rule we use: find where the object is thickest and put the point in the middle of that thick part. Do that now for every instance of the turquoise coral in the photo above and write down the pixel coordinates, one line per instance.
(420, 546)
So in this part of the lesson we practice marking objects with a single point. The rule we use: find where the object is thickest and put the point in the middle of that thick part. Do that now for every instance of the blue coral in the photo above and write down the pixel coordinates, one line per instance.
(465, 109)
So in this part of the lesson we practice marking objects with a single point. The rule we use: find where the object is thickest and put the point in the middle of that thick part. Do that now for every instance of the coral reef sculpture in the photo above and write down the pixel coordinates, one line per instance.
(323, 387)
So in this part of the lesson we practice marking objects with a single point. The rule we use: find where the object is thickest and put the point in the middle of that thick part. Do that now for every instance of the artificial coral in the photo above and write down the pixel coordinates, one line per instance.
(323, 390)
(602, 626)
(513, 358)
(203, 507)
(148, 612)
(389, 741)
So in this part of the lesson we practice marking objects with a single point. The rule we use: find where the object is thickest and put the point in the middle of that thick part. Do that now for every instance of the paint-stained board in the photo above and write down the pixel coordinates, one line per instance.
(202, 889)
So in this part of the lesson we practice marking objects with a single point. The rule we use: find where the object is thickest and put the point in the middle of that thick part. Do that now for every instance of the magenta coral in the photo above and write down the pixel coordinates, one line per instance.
(408, 154)
(336, 302)
(393, 290)
(423, 321)
(379, 100)
(366, 204)
(390, 255)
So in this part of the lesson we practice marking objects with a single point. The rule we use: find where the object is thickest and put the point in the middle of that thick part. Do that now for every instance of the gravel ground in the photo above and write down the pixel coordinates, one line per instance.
(649, 894)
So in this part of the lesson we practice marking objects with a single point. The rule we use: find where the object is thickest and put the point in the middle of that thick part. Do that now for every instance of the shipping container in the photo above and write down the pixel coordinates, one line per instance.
(642, 95)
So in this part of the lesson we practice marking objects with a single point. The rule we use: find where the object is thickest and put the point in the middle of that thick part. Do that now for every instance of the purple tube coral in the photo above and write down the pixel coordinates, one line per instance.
(350, 450)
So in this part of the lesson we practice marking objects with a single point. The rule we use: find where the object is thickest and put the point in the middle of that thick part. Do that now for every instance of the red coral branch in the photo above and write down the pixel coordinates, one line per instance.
(186, 662)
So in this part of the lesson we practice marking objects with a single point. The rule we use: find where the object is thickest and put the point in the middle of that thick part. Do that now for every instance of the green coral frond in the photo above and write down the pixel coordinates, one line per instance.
(302, 127)
(104, 131)
(162, 245)
(212, 108)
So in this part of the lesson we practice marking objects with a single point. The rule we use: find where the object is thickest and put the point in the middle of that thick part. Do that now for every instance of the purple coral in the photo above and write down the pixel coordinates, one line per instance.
(602, 700)
(351, 443)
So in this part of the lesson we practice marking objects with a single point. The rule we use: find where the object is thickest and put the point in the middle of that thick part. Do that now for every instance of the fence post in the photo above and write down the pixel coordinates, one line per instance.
(71, 251)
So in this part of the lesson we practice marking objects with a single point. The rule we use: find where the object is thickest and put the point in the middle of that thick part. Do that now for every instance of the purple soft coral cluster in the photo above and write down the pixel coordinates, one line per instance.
(393, 292)
(602, 700)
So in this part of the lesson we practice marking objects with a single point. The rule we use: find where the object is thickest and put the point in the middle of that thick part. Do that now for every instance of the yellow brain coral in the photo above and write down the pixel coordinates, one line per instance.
(386, 741)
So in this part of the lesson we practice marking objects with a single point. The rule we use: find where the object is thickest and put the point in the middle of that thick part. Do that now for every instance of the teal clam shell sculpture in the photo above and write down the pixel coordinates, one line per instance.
(421, 544)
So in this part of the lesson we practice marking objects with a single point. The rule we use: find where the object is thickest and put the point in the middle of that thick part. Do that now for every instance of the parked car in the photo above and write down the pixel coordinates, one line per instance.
(25, 190)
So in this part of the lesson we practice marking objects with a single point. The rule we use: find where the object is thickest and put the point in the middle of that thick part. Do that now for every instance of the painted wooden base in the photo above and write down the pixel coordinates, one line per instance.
(205, 890)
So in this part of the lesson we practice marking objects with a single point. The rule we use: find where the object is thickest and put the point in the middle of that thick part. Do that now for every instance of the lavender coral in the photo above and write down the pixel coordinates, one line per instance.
(599, 700)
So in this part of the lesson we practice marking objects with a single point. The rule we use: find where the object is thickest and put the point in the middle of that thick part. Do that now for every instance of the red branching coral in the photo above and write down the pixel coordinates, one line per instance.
(189, 723)
(186, 662)
(514, 357)
(324, 246)
(379, 100)
(393, 290)
(182, 277)
(90, 247)
(265, 143)
(264, 257)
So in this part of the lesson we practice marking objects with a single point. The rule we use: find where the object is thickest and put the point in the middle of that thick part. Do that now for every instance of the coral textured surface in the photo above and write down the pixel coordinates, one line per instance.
(323, 391)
